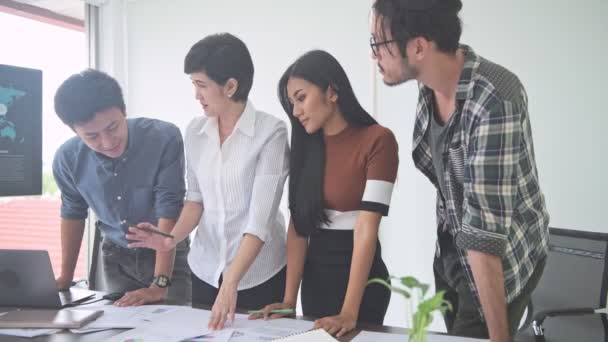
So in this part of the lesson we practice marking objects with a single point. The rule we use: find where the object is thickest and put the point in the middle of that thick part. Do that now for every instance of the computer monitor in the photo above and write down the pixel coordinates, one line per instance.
(20, 131)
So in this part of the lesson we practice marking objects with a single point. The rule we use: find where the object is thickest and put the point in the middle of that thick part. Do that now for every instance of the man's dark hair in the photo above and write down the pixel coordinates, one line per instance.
(83, 95)
(221, 57)
(434, 20)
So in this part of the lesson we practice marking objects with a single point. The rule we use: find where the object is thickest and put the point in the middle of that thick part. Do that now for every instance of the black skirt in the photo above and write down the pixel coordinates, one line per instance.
(326, 274)
(270, 291)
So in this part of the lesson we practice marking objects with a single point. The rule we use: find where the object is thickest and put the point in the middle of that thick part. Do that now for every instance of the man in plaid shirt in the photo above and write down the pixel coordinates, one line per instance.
(473, 140)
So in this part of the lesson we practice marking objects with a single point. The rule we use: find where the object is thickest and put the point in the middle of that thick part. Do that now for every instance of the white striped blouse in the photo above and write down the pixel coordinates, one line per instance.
(240, 184)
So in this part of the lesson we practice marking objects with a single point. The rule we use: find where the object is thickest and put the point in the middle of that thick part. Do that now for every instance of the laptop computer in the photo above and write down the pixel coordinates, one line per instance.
(48, 318)
(27, 280)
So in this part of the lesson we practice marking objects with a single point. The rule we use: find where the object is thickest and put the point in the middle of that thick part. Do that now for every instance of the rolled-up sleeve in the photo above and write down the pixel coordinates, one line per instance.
(270, 174)
(169, 187)
(73, 205)
(490, 180)
(194, 192)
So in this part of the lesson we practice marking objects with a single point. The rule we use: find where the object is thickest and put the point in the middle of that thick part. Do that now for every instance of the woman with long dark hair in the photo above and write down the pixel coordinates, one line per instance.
(343, 167)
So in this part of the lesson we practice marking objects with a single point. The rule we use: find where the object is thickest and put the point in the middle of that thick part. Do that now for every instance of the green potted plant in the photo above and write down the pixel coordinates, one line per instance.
(423, 316)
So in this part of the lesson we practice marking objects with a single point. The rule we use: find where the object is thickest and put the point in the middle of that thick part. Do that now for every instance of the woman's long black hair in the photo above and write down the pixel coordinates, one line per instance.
(307, 159)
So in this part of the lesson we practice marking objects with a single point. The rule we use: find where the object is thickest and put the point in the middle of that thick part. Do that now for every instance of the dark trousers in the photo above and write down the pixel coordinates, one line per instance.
(464, 319)
(127, 269)
(270, 291)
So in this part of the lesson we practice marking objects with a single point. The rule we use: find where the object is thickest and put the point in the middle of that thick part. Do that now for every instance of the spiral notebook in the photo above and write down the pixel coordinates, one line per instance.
(318, 335)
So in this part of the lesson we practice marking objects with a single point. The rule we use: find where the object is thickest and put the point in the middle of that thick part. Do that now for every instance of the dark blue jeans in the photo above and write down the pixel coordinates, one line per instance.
(464, 319)
(126, 269)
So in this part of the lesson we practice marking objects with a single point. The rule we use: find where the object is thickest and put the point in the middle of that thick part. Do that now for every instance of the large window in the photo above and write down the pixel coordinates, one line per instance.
(58, 47)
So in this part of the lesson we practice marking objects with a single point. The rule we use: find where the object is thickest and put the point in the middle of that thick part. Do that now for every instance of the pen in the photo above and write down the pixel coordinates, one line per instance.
(281, 311)
(78, 301)
(83, 299)
(153, 231)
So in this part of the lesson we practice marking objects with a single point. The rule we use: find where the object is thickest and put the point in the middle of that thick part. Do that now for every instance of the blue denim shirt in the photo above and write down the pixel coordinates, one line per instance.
(144, 184)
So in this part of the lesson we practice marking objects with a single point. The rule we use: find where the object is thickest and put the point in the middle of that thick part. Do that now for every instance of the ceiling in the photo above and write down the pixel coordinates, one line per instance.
(68, 8)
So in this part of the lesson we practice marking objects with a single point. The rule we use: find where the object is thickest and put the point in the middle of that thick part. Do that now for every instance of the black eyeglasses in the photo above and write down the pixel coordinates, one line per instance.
(376, 45)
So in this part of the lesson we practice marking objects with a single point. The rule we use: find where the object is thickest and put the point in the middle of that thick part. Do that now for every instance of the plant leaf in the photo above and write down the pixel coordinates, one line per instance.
(435, 302)
(413, 283)
(401, 291)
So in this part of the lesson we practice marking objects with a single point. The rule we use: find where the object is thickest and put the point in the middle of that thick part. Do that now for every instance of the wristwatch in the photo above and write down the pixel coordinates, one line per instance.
(162, 281)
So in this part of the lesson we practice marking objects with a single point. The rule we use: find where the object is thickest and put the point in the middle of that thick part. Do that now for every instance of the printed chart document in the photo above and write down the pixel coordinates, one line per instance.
(127, 317)
(260, 330)
(178, 325)
(188, 324)
(245, 330)
(223, 335)
(368, 336)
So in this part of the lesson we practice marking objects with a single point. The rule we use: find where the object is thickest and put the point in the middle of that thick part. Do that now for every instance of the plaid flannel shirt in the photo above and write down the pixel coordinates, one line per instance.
(493, 202)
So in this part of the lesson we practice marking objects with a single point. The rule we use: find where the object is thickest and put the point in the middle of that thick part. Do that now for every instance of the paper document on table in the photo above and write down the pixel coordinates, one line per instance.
(368, 336)
(127, 317)
(317, 335)
(260, 330)
(223, 335)
(294, 325)
(177, 325)
(28, 332)
(244, 330)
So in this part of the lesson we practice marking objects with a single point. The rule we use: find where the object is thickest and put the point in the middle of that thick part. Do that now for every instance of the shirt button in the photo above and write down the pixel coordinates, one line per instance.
(118, 198)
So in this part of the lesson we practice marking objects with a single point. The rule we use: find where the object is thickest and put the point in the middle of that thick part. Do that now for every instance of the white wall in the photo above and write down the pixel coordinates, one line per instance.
(276, 33)
(556, 47)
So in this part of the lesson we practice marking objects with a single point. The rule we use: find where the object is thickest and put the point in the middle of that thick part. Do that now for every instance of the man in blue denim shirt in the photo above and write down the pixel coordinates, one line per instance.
(126, 171)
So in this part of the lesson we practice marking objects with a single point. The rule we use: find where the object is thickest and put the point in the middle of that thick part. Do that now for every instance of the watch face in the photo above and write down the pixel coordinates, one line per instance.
(162, 281)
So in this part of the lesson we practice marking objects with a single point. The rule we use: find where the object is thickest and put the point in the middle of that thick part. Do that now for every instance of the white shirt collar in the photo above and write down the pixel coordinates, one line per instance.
(245, 124)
